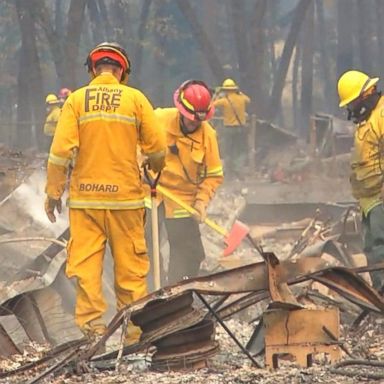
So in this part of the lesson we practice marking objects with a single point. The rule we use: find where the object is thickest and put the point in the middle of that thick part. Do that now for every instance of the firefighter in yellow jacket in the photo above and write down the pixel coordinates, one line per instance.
(365, 106)
(53, 114)
(99, 128)
(234, 105)
(192, 172)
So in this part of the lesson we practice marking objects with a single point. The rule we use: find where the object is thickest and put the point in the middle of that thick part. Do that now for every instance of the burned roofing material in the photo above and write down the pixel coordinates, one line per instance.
(33, 253)
(174, 309)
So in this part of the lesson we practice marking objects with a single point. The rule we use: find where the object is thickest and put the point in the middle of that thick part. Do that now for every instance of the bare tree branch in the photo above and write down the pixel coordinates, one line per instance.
(278, 86)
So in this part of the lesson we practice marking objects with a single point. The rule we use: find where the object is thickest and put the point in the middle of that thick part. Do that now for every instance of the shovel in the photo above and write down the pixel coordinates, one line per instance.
(232, 239)
(155, 227)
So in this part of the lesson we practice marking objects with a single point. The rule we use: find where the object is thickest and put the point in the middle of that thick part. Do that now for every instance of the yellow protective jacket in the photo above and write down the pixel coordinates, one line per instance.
(233, 104)
(193, 168)
(101, 124)
(367, 161)
(51, 120)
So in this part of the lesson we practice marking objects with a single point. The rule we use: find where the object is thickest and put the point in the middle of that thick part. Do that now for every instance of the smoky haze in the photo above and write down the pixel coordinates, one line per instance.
(286, 55)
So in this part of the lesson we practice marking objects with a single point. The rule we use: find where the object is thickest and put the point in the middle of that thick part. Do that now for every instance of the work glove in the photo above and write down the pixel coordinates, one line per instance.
(156, 161)
(201, 209)
(50, 205)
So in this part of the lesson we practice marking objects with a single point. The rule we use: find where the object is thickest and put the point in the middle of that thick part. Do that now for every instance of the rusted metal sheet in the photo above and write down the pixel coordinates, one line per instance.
(251, 278)
(8, 347)
(187, 348)
(172, 309)
(176, 327)
(199, 332)
(27, 312)
(185, 357)
(352, 287)
(35, 264)
(159, 312)
(279, 291)
(22, 214)
(179, 319)
(294, 332)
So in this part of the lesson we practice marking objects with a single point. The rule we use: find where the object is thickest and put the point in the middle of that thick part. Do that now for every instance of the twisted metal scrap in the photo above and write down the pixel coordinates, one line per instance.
(250, 278)
(358, 373)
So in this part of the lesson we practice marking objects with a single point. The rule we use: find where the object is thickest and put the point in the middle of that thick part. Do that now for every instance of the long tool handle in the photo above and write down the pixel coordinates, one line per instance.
(222, 231)
(154, 226)
(155, 244)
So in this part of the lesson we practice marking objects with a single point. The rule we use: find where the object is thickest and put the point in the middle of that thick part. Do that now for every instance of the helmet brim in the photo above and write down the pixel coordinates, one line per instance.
(189, 115)
(370, 84)
(230, 88)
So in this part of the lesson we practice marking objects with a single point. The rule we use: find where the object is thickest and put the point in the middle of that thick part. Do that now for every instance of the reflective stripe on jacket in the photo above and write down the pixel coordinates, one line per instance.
(101, 124)
(231, 102)
(193, 168)
(367, 160)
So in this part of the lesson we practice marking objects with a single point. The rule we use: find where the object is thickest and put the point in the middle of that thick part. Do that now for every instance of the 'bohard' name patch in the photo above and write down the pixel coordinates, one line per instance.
(98, 187)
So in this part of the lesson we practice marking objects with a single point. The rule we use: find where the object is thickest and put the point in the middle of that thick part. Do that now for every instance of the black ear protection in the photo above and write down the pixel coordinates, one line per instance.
(362, 110)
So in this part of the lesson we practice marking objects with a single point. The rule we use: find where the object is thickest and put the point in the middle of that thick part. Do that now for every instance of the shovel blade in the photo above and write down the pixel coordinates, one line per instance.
(236, 235)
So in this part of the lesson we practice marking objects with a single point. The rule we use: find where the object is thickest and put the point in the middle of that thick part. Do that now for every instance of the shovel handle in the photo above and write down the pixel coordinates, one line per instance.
(152, 182)
(155, 245)
(222, 231)
(154, 226)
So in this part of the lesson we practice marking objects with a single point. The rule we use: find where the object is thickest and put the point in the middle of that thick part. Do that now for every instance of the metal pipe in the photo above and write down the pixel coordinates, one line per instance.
(221, 322)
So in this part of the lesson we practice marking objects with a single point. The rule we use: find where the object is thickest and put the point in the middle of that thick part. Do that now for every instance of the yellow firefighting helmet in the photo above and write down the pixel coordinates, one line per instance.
(51, 99)
(353, 84)
(229, 84)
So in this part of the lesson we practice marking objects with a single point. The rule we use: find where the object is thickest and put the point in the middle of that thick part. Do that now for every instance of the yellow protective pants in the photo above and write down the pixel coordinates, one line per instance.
(90, 230)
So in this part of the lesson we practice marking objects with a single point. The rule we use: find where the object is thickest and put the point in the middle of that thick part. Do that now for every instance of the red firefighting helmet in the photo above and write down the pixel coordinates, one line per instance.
(109, 53)
(194, 100)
